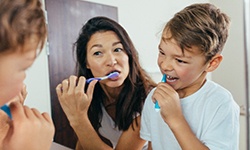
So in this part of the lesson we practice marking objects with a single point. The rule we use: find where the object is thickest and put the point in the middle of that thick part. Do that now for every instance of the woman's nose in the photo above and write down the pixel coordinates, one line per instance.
(111, 60)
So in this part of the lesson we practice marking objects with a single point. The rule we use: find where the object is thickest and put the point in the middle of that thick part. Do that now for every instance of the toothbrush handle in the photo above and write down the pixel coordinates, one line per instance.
(157, 107)
(91, 79)
(6, 109)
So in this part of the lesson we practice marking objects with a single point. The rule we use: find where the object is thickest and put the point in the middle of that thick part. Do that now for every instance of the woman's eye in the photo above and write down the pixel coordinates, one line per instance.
(97, 53)
(118, 49)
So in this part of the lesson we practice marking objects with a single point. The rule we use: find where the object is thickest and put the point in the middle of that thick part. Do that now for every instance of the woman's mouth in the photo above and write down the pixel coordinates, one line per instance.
(113, 72)
(114, 75)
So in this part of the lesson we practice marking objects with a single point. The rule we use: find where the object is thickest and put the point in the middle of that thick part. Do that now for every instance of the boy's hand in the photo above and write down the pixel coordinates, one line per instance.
(21, 96)
(169, 101)
(29, 129)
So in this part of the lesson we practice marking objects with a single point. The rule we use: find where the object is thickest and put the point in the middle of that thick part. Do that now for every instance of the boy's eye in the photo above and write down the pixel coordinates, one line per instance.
(161, 53)
(180, 61)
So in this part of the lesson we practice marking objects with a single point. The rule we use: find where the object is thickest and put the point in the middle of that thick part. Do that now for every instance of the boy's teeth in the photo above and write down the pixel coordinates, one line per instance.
(169, 77)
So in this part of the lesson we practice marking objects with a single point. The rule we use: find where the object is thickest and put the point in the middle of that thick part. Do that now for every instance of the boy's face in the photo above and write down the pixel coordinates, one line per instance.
(13, 64)
(185, 72)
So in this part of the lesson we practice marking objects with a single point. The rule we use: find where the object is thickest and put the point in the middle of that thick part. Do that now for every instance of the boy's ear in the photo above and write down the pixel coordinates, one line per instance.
(214, 62)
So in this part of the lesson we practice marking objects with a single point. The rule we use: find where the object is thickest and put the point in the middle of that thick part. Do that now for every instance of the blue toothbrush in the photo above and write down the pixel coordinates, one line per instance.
(164, 79)
(6, 109)
(110, 76)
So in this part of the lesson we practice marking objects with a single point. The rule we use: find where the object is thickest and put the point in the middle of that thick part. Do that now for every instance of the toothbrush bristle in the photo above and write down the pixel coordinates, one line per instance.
(113, 75)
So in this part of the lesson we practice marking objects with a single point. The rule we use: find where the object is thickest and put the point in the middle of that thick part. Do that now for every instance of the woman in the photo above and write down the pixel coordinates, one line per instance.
(107, 114)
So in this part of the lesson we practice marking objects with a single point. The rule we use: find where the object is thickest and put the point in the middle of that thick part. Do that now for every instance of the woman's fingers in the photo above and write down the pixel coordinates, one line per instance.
(81, 84)
(65, 85)
(59, 89)
(91, 89)
(72, 84)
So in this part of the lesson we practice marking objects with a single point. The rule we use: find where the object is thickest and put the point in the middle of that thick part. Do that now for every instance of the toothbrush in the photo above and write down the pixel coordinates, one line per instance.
(110, 76)
(164, 79)
(6, 109)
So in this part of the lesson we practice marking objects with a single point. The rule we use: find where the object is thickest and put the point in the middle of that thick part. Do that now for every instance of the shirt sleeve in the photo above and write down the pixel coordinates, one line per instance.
(223, 130)
(145, 119)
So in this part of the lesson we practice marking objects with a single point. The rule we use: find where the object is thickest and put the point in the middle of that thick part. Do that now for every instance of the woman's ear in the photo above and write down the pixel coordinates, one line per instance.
(214, 62)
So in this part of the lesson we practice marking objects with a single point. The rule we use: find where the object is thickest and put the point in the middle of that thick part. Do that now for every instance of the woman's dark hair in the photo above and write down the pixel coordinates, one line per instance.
(136, 86)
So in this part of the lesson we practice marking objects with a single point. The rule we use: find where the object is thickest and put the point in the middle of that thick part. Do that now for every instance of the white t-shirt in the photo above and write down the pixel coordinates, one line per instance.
(211, 112)
(110, 131)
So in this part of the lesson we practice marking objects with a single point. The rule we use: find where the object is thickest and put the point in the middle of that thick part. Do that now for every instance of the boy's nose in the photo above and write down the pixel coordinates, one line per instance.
(166, 65)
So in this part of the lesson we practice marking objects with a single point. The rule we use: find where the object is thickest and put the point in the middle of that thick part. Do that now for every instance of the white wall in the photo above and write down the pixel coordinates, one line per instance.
(143, 20)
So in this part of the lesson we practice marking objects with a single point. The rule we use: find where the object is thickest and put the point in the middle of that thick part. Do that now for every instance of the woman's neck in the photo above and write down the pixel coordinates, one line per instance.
(112, 94)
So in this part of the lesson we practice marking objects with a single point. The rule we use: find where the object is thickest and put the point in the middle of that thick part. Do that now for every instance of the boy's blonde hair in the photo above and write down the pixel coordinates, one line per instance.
(201, 25)
(19, 21)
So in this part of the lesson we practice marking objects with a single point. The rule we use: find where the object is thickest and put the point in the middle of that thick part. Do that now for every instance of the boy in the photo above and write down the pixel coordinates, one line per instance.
(22, 32)
(195, 113)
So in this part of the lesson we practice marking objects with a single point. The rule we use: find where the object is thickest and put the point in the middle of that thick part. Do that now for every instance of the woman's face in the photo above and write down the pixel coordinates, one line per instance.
(105, 54)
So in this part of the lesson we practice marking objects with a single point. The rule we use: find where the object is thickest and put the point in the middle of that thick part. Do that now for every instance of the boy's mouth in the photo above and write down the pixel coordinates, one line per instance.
(171, 79)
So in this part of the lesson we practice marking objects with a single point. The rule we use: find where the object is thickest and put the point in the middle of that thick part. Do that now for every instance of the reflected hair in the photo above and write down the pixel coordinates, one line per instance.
(20, 20)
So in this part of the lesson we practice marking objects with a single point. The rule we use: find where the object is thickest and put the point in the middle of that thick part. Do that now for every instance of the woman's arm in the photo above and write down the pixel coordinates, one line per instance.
(130, 139)
(87, 136)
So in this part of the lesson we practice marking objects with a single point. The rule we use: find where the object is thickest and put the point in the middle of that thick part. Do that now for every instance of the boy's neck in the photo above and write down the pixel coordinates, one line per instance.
(192, 88)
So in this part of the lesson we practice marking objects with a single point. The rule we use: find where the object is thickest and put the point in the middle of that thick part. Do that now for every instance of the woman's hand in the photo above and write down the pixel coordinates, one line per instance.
(74, 101)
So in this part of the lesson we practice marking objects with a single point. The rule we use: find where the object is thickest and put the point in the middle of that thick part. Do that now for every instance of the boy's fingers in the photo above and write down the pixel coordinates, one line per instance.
(17, 110)
(47, 117)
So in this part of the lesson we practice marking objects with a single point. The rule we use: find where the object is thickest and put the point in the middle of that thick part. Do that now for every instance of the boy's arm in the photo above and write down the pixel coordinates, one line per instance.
(185, 136)
(171, 113)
